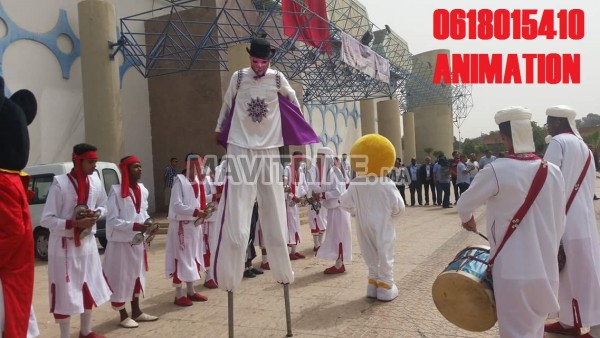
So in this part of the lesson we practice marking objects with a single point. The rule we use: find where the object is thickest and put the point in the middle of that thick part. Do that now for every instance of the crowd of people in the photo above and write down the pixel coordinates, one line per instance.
(435, 177)
(217, 218)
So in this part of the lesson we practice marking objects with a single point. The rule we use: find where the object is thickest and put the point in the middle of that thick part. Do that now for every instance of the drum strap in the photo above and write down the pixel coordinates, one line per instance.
(579, 180)
(536, 186)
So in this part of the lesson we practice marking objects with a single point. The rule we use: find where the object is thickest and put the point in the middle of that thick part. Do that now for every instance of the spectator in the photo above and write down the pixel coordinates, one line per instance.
(487, 159)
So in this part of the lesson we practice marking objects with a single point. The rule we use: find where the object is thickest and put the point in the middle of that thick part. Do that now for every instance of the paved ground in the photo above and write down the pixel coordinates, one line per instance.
(322, 306)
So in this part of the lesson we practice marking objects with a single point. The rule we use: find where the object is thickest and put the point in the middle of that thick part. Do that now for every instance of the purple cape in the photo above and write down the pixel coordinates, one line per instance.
(294, 128)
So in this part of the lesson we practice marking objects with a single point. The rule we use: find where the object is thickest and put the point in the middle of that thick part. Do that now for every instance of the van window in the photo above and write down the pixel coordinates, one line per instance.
(40, 185)
(110, 178)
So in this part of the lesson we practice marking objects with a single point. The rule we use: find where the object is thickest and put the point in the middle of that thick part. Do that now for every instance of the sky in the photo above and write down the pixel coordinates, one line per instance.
(413, 21)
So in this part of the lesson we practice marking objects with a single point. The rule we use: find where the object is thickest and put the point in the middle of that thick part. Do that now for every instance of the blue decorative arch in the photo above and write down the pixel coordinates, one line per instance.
(348, 110)
(50, 40)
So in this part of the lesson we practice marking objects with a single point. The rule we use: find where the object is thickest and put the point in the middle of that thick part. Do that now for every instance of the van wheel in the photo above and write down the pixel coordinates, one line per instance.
(103, 241)
(40, 237)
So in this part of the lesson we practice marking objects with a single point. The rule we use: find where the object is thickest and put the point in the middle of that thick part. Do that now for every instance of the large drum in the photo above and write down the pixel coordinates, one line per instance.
(463, 292)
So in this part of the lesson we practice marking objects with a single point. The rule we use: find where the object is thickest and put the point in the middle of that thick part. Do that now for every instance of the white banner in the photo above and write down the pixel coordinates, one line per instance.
(363, 58)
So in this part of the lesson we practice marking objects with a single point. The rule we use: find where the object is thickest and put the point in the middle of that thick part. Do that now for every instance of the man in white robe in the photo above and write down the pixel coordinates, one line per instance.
(75, 280)
(525, 273)
(184, 251)
(213, 190)
(258, 105)
(579, 292)
(294, 178)
(125, 261)
(317, 220)
(337, 245)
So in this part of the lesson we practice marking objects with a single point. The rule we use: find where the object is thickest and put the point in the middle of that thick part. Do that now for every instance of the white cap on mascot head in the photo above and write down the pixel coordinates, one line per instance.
(566, 112)
(520, 126)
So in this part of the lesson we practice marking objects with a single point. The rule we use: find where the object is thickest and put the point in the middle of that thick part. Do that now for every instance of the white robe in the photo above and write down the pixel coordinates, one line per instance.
(580, 278)
(375, 202)
(262, 93)
(81, 264)
(209, 223)
(338, 220)
(293, 214)
(525, 273)
(185, 248)
(317, 222)
(124, 263)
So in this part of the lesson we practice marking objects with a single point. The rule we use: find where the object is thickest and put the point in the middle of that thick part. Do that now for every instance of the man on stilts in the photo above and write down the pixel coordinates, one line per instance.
(260, 113)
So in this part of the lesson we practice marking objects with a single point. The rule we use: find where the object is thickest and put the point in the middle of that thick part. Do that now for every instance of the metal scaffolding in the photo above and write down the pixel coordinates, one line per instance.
(194, 35)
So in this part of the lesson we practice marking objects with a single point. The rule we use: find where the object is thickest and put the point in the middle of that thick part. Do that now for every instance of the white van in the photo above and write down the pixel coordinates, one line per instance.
(40, 181)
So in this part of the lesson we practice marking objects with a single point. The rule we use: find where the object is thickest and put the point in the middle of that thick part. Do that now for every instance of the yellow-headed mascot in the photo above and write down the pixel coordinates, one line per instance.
(374, 199)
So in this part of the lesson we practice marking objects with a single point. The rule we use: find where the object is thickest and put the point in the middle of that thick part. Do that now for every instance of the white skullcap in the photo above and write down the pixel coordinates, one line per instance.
(520, 126)
(565, 112)
(325, 151)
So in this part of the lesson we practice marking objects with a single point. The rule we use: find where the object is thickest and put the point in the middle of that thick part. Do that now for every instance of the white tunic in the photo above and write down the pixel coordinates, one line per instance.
(300, 189)
(375, 201)
(525, 273)
(580, 278)
(124, 263)
(80, 264)
(338, 220)
(185, 248)
(317, 222)
(255, 96)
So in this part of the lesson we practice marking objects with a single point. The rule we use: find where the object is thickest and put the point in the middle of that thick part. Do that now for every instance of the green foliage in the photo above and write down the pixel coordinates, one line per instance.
(428, 151)
(591, 120)
(539, 135)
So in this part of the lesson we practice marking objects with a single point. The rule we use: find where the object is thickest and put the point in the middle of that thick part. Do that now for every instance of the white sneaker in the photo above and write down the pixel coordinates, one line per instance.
(386, 293)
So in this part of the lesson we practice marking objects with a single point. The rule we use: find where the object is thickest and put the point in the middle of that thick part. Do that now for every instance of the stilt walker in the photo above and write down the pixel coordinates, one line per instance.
(260, 113)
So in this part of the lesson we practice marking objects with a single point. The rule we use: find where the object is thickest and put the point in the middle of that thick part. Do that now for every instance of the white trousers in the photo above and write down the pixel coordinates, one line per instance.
(377, 246)
(262, 179)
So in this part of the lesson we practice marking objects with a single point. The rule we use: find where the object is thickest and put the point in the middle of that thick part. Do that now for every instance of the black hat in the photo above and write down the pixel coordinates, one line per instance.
(261, 48)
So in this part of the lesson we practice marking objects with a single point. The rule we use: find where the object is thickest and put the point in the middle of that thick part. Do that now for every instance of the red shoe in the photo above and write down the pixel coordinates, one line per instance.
(183, 301)
(210, 284)
(558, 328)
(90, 335)
(265, 266)
(333, 270)
(293, 257)
(198, 297)
(299, 255)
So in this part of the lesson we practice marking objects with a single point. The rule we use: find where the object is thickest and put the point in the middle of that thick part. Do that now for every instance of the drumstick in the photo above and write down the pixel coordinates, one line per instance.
(482, 235)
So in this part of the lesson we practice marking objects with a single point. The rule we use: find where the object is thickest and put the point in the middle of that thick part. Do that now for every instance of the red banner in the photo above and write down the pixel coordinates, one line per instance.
(313, 29)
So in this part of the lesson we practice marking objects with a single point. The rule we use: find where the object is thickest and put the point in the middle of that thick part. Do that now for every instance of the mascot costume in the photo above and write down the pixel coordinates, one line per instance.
(374, 199)
(16, 237)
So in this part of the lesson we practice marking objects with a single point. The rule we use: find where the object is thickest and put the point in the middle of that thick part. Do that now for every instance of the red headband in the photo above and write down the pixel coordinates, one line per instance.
(88, 155)
(124, 167)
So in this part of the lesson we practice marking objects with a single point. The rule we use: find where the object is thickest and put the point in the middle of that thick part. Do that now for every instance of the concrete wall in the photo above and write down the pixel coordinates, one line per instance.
(60, 121)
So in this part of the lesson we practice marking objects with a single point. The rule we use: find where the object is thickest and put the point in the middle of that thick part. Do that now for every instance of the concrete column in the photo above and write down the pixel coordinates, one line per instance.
(389, 124)
(410, 149)
(237, 58)
(100, 77)
(433, 129)
(367, 117)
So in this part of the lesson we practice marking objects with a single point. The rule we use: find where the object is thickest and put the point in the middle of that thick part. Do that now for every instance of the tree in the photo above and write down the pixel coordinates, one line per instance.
(437, 153)
(539, 137)
(593, 141)
(470, 146)
(591, 120)
(428, 151)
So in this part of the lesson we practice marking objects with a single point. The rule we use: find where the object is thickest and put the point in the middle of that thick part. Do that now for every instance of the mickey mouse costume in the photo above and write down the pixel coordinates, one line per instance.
(16, 238)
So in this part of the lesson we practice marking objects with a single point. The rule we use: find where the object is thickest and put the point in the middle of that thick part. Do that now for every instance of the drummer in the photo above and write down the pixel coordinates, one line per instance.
(525, 272)
(125, 260)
